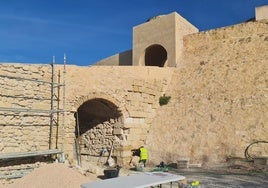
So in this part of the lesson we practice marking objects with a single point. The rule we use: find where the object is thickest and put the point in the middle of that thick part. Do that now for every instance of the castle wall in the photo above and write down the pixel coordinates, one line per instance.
(218, 100)
(134, 90)
(218, 95)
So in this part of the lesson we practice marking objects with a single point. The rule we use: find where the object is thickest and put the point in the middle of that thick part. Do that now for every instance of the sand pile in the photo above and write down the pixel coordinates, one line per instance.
(56, 175)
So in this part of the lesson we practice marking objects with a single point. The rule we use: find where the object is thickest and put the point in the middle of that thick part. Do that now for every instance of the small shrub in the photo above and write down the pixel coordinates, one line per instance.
(163, 100)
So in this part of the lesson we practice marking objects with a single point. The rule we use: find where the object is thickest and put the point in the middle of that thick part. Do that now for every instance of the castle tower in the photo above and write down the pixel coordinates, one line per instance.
(159, 41)
(261, 12)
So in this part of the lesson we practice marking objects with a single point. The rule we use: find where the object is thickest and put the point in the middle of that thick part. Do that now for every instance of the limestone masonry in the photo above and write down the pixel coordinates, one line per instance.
(217, 81)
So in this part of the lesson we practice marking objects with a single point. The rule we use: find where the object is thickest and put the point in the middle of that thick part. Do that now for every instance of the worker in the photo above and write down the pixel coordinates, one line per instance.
(143, 155)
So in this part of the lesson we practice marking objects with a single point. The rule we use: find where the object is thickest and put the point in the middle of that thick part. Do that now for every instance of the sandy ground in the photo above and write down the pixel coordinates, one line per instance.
(58, 175)
(55, 175)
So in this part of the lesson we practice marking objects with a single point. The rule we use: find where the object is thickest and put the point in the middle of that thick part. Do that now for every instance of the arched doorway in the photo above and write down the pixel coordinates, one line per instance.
(96, 120)
(155, 55)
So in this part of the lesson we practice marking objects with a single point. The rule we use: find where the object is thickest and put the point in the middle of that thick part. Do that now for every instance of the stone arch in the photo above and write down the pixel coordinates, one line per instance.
(98, 124)
(94, 95)
(96, 111)
(155, 55)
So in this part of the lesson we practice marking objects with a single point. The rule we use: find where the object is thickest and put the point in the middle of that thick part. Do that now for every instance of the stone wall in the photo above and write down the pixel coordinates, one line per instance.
(134, 90)
(218, 95)
(218, 101)
(24, 131)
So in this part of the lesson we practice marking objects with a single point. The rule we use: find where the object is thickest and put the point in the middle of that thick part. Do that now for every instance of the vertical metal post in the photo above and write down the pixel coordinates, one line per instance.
(63, 106)
(51, 103)
(58, 113)
(77, 140)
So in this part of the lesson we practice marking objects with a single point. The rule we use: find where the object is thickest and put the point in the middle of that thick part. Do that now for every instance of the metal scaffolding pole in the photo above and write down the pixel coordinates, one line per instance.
(63, 115)
(77, 143)
(51, 104)
(58, 114)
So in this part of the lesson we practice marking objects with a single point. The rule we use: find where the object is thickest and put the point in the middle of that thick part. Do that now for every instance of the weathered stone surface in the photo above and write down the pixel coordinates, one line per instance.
(218, 100)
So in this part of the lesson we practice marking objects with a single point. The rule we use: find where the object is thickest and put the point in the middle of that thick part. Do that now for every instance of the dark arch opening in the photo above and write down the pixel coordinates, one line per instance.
(95, 123)
(155, 55)
(96, 111)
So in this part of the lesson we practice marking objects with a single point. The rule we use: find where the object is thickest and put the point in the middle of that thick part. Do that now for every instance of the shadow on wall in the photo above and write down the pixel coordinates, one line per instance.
(125, 58)
(120, 59)
(94, 112)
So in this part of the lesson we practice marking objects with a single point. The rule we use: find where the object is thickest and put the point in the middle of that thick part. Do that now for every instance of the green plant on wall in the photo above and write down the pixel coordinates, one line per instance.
(163, 100)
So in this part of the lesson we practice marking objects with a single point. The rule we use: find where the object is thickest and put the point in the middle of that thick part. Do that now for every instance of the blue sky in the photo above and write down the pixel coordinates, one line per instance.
(33, 31)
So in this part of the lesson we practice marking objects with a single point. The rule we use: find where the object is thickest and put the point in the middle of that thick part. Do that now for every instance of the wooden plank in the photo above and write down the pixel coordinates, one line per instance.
(28, 154)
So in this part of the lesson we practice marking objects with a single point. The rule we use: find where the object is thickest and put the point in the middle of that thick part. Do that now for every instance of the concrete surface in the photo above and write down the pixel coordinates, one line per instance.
(224, 179)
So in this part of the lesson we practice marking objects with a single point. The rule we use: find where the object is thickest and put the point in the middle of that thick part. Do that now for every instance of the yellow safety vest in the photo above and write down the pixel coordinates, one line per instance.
(143, 154)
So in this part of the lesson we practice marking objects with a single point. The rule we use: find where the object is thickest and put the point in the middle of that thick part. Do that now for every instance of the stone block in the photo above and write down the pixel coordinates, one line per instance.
(137, 114)
(138, 82)
(118, 131)
(136, 88)
(133, 120)
(183, 163)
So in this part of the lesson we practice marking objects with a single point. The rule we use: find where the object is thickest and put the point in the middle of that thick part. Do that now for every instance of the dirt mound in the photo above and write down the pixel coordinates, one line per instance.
(54, 175)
